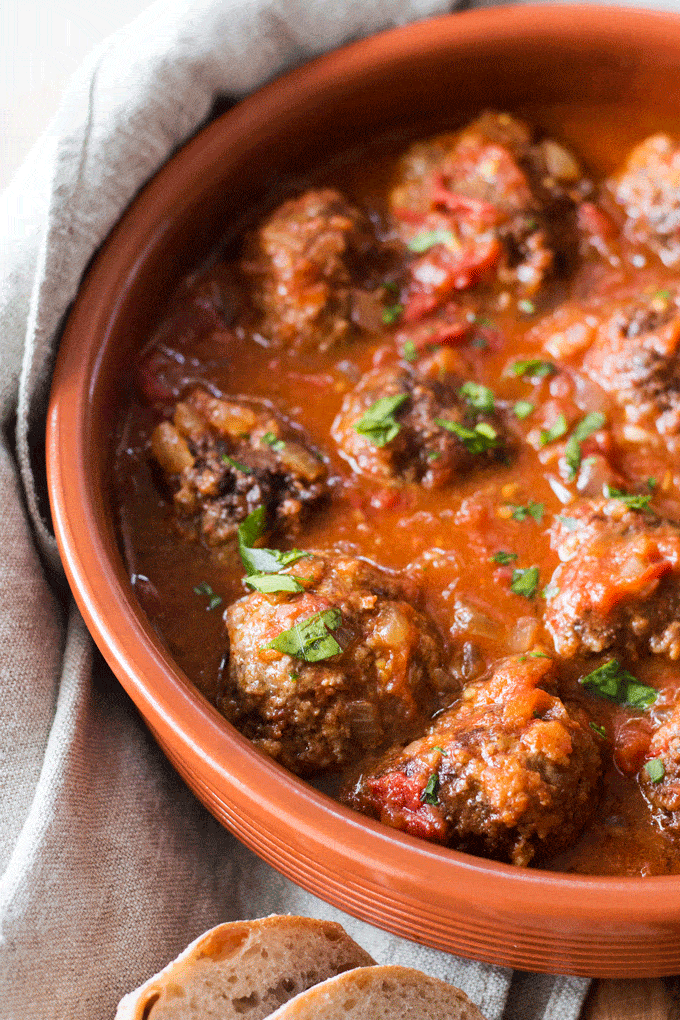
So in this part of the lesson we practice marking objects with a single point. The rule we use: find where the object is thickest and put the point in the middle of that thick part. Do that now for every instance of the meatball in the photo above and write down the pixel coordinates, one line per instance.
(618, 585)
(222, 460)
(345, 666)
(660, 776)
(307, 264)
(509, 772)
(413, 424)
(648, 188)
(485, 203)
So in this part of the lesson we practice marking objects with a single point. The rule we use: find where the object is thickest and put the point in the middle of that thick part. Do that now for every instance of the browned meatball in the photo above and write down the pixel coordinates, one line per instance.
(660, 776)
(619, 582)
(411, 424)
(509, 772)
(485, 203)
(648, 188)
(308, 265)
(222, 460)
(369, 677)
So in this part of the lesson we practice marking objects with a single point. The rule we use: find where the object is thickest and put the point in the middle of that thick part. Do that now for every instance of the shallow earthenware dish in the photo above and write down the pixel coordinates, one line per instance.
(505, 58)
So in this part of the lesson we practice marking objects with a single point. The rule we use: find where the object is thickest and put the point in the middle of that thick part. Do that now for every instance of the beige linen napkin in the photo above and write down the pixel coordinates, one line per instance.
(109, 865)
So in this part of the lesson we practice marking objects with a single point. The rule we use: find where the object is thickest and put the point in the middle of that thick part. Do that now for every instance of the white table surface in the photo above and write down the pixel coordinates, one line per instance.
(42, 42)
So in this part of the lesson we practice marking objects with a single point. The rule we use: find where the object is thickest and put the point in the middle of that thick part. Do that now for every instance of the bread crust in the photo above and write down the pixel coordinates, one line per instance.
(245, 970)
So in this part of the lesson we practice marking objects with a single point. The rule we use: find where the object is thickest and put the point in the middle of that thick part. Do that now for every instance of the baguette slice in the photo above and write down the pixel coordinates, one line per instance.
(380, 993)
(244, 970)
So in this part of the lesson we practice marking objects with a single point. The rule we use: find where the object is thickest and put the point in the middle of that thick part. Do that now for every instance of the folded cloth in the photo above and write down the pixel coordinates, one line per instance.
(109, 864)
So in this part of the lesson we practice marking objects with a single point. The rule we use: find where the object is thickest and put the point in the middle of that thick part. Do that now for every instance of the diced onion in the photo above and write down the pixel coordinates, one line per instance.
(523, 635)
(170, 449)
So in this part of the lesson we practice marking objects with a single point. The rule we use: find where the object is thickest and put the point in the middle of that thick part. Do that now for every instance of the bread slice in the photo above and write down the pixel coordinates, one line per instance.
(244, 970)
(380, 993)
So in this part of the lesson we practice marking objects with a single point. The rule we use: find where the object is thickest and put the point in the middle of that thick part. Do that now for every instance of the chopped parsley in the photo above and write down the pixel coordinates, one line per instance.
(475, 440)
(556, 431)
(262, 561)
(433, 455)
(477, 396)
(213, 600)
(311, 639)
(572, 451)
(549, 592)
(410, 353)
(613, 682)
(664, 295)
(523, 409)
(535, 510)
(655, 769)
(268, 583)
(528, 307)
(533, 367)
(503, 557)
(243, 468)
(427, 239)
(378, 423)
(630, 500)
(391, 313)
(600, 730)
(431, 791)
(652, 483)
(271, 440)
(525, 582)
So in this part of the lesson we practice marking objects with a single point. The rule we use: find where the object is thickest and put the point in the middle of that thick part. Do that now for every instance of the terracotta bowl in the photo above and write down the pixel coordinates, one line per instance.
(503, 58)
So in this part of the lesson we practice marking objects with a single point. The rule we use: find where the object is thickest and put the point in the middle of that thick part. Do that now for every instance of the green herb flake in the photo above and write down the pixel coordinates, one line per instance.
(549, 592)
(433, 455)
(527, 307)
(503, 557)
(663, 295)
(613, 682)
(378, 423)
(477, 396)
(262, 561)
(630, 500)
(655, 769)
(268, 583)
(556, 431)
(525, 582)
(538, 655)
(391, 313)
(294, 677)
(311, 639)
(410, 353)
(523, 408)
(535, 510)
(271, 440)
(600, 730)
(213, 600)
(427, 239)
(431, 791)
(533, 367)
(572, 452)
(652, 483)
(437, 747)
(476, 440)
(243, 468)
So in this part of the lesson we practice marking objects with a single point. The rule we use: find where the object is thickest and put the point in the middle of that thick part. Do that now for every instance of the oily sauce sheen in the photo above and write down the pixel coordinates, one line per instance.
(517, 280)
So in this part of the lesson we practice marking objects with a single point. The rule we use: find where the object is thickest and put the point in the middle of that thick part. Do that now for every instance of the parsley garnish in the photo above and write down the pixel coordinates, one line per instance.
(525, 582)
(410, 353)
(523, 409)
(378, 423)
(652, 483)
(549, 592)
(268, 583)
(213, 600)
(433, 454)
(429, 794)
(475, 440)
(391, 313)
(243, 468)
(427, 239)
(633, 502)
(262, 561)
(572, 451)
(655, 769)
(617, 684)
(600, 730)
(528, 307)
(556, 430)
(535, 510)
(533, 367)
(311, 639)
(271, 440)
(477, 396)
(503, 557)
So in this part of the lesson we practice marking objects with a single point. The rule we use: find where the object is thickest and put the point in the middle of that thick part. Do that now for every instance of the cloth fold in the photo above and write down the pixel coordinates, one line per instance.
(109, 864)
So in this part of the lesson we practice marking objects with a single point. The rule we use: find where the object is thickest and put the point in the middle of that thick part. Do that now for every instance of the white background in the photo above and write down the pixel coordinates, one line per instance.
(42, 42)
